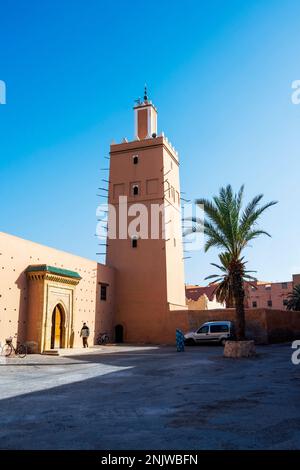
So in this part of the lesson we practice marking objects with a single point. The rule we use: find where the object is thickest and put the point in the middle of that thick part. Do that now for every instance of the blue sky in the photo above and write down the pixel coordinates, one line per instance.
(220, 73)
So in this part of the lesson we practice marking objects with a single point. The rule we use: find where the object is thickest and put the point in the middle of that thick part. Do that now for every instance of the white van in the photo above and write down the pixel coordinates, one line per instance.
(211, 331)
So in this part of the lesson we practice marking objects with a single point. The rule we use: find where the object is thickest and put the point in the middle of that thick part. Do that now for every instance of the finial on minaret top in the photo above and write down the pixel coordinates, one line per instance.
(145, 93)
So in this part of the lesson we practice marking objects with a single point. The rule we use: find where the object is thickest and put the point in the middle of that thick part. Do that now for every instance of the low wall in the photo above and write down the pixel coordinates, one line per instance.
(256, 326)
(282, 325)
(262, 325)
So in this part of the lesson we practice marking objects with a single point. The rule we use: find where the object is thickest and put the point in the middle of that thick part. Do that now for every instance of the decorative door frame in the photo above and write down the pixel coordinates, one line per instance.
(50, 286)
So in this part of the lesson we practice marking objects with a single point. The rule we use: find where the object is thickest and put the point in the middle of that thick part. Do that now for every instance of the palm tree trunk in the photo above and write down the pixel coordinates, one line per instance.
(239, 295)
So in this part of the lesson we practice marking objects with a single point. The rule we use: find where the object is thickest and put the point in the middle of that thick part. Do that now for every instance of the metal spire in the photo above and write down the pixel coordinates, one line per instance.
(145, 93)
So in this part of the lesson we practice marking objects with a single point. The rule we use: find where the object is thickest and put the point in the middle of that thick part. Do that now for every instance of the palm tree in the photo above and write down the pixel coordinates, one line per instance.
(294, 299)
(231, 228)
(224, 288)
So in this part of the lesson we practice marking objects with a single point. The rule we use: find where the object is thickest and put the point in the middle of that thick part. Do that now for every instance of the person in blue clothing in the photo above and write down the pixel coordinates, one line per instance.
(179, 340)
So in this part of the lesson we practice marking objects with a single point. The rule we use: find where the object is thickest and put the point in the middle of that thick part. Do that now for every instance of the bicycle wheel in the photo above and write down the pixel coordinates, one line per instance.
(7, 350)
(98, 341)
(22, 350)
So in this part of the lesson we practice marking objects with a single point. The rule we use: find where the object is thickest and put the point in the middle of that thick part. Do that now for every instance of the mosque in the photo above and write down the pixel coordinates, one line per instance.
(138, 295)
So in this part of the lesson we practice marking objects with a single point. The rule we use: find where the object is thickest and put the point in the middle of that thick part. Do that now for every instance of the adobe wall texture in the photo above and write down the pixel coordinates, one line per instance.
(282, 325)
(17, 254)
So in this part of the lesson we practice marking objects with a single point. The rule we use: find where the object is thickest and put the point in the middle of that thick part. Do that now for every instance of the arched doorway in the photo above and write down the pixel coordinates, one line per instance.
(119, 331)
(57, 327)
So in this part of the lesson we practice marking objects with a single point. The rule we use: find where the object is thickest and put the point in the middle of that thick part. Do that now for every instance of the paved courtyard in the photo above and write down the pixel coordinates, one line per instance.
(151, 398)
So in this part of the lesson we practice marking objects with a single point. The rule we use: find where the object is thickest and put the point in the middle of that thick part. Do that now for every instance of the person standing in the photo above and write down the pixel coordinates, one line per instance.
(179, 340)
(84, 334)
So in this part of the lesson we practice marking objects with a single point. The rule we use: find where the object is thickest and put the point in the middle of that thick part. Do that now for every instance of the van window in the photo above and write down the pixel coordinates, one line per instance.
(203, 329)
(219, 328)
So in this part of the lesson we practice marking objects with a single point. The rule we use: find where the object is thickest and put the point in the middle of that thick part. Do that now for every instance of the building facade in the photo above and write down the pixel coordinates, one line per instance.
(258, 294)
(270, 294)
(202, 298)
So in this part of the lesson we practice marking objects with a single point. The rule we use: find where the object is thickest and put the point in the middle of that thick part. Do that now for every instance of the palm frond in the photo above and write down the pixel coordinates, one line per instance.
(254, 234)
(214, 276)
(250, 217)
(222, 268)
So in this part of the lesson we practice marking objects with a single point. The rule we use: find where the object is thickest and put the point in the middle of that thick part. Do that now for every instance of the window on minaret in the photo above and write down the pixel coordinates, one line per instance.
(103, 291)
(135, 159)
(134, 242)
(135, 190)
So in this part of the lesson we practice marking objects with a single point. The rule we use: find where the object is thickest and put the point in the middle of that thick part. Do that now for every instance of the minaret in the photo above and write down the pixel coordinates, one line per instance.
(144, 183)
(145, 119)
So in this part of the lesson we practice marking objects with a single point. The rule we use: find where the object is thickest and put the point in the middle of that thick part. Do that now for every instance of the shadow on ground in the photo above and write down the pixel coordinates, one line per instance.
(153, 399)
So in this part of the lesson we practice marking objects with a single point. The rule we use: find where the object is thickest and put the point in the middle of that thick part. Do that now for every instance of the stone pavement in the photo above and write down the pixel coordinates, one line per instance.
(126, 397)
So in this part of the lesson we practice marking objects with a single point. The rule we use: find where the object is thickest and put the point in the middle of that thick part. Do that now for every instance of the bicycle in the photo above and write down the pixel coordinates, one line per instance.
(103, 338)
(20, 350)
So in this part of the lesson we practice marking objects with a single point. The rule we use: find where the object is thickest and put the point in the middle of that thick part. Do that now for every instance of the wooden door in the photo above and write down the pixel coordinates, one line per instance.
(56, 331)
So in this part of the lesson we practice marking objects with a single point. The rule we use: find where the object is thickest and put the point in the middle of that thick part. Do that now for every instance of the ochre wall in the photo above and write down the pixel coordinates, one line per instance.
(263, 325)
(188, 320)
(173, 228)
(17, 254)
(256, 326)
(30, 327)
(282, 325)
